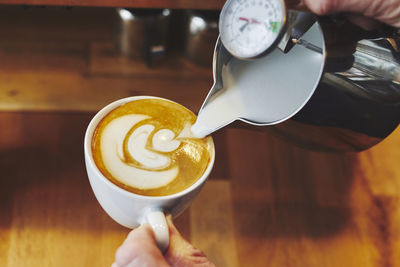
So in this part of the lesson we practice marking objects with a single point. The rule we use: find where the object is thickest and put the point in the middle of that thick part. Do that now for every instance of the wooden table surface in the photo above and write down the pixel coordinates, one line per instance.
(267, 202)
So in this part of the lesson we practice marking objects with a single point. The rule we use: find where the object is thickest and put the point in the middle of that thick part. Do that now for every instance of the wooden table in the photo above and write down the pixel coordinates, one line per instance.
(267, 203)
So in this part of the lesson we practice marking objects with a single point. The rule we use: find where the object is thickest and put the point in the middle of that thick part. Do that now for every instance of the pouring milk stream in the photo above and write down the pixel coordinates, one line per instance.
(261, 91)
(260, 76)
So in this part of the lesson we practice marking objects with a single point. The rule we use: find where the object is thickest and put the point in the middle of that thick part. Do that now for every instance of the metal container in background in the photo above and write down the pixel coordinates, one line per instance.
(202, 33)
(141, 34)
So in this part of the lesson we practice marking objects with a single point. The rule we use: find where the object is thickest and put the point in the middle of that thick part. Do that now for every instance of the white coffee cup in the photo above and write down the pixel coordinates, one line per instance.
(129, 209)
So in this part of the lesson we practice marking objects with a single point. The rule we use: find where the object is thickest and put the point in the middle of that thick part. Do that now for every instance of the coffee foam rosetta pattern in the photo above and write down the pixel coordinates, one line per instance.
(153, 166)
(147, 147)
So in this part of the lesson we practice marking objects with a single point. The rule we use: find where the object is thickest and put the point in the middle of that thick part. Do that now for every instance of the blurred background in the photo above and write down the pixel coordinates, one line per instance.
(267, 203)
(94, 47)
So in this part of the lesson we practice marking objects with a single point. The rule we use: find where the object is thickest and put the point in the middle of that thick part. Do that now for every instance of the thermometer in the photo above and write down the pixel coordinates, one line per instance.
(250, 28)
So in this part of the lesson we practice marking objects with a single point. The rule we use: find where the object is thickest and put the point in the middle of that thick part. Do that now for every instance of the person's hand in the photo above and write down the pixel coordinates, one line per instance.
(365, 13)
(140, 249)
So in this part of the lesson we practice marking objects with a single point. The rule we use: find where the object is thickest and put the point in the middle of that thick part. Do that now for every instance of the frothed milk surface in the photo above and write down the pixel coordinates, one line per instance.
(146, 147)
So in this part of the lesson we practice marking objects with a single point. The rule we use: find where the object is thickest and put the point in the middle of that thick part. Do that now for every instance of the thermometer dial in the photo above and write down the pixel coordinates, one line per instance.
(249, 28)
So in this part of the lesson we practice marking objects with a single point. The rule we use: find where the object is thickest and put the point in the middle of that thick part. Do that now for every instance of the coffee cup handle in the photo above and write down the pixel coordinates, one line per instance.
(157, 221)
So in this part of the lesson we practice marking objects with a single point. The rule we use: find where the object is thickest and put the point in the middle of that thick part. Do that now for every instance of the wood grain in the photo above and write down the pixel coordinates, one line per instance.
(212, 216)
(280, 205)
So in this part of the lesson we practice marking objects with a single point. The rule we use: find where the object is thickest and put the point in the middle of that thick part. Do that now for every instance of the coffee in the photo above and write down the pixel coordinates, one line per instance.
(146, 147)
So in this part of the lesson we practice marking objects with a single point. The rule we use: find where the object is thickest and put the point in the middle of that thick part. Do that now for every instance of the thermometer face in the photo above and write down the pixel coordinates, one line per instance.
(248, 28)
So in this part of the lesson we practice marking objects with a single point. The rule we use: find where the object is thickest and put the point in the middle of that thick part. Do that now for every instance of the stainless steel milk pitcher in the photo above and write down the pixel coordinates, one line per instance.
(356, 101)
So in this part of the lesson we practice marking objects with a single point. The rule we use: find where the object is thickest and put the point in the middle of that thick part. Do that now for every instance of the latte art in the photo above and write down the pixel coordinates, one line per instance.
(127, 155)
(146, 146)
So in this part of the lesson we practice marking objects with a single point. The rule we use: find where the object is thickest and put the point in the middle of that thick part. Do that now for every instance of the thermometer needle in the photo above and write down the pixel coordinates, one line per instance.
(244, 26)
(252, 21)
(248, 21)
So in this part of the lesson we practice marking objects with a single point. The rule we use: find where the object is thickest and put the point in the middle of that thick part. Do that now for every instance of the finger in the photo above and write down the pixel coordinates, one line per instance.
(324, 7)
(139, 249)
(296, 4)
(172, 228)
(181, 252)
(362, 13)
(128, 250)
(382, 10)
(176, 239)
(363, 22)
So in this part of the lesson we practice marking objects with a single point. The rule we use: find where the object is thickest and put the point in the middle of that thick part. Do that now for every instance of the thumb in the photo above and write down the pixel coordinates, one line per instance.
(181, 253)
(384, 11)
(324, 7)
(139, 249)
